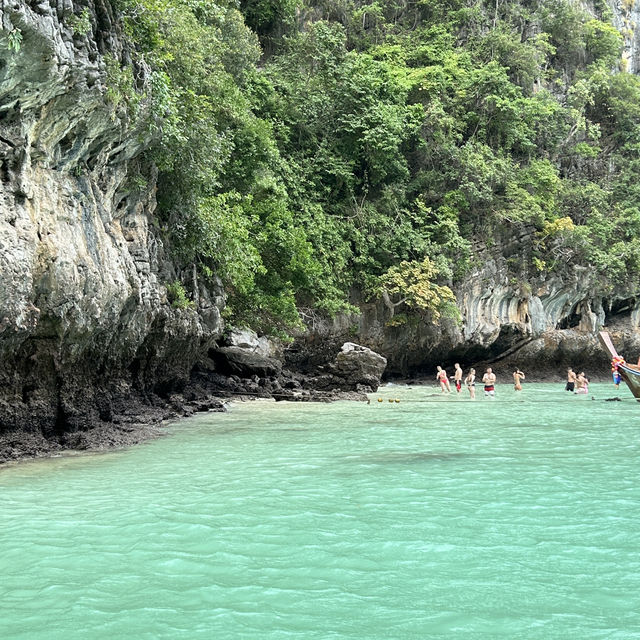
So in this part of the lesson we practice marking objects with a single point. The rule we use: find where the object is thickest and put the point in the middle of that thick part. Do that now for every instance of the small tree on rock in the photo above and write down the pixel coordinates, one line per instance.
(411, 283)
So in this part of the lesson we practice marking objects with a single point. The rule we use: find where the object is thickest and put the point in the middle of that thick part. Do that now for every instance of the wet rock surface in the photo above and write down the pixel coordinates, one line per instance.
(88, 338)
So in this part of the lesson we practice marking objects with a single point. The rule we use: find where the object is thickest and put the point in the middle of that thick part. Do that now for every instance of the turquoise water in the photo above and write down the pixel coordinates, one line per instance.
(433, 517)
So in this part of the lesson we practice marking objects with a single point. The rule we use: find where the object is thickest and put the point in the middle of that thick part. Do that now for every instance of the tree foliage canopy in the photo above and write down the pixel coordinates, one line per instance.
(310, 147)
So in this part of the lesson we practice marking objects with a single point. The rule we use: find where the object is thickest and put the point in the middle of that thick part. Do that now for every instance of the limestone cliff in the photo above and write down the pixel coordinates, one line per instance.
(84, 315)
(508, 316)
(626, 18)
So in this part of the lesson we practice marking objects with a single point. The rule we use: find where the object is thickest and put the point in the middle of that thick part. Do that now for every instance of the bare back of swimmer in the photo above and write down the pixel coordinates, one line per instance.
(517, 377)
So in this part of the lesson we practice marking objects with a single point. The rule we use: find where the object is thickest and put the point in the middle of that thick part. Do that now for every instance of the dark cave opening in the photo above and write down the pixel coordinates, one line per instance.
(571, 320)
(618, 309)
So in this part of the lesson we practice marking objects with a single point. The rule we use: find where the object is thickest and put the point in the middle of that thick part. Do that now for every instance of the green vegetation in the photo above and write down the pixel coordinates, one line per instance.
(80, 22)
(412, 284)
(308, 147)
(15, 40)
(177, 296)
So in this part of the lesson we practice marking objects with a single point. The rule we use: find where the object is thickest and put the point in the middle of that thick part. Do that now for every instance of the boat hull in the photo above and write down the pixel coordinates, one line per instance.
(629, 373)
(632, 378)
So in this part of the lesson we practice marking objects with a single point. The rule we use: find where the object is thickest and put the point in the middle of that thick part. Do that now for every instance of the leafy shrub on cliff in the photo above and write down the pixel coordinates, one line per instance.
(177, 296)
(411, 284)
(15, 39)
(80, 22)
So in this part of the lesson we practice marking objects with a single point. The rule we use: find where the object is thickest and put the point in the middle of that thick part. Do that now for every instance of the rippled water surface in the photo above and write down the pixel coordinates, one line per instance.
(432, 517)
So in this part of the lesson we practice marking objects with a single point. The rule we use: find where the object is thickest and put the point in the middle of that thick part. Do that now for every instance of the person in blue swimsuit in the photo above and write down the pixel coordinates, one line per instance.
(617, 378)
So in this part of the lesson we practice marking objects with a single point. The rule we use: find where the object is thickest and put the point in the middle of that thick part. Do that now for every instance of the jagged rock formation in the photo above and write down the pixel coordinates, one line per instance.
(84, 317)
(539, 322)
(254, 367)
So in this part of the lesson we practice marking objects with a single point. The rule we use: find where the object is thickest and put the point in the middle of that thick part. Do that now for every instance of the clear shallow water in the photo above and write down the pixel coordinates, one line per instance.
(434, 517)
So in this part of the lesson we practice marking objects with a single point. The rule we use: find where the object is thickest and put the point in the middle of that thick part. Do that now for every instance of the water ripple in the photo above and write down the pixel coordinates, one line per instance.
(429, 518)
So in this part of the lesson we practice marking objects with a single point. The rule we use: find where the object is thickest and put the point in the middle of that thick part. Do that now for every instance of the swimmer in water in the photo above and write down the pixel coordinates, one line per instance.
(441, 377)
(470, 381)
(517, 377)
(489, 380)
(582, 384)
(457, 378)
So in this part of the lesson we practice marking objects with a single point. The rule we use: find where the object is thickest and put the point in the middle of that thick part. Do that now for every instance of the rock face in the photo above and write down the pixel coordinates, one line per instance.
(359, 366)
(507, 318)
(84, 317)
(626, 17)
(244, 363)
(250, 341)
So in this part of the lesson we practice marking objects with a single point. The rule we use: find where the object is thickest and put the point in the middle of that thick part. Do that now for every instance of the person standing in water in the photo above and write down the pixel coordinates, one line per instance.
(470, 381)
(571, 380)
(489, 380)
(457, 378)
(617, 378)
(517, 376)
(441, 377)
(582, 384)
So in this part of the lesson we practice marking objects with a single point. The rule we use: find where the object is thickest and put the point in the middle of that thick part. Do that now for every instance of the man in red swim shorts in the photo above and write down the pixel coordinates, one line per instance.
(457, 377)
(489, 379)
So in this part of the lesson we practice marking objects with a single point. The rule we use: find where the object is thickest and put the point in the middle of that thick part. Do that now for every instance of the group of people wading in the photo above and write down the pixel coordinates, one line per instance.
(488, 380)
(576, 382)
(579, 383)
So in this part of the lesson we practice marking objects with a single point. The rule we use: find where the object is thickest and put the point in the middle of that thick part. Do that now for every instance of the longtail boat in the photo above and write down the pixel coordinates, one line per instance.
(630, 373)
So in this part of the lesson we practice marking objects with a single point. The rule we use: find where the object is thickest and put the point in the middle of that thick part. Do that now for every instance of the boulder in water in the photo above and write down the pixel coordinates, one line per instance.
(358, 367)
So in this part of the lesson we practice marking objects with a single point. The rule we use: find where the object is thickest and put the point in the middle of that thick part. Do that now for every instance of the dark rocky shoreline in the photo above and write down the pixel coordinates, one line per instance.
(133, 420)
(83, 413)
(138, 419)
(120, 414)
